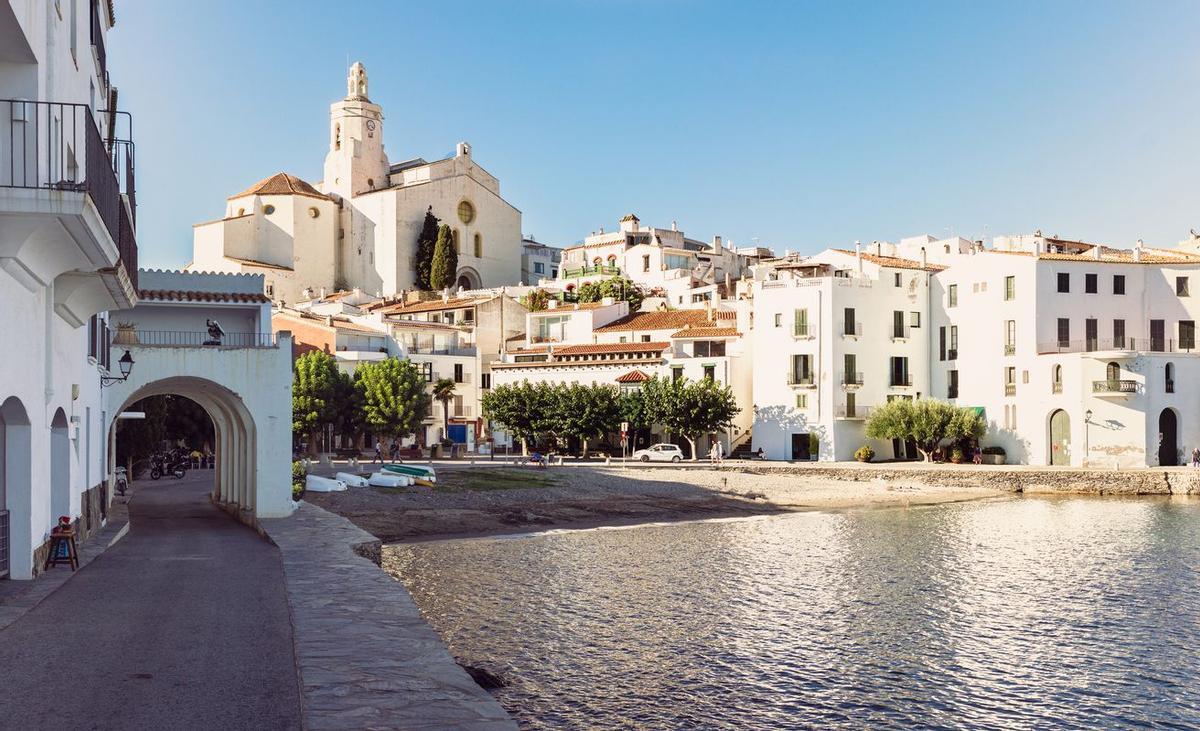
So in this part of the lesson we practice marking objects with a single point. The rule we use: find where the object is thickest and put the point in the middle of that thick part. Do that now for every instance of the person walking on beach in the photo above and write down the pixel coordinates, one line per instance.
(712, 454)
(720, 452)
(1196, 457)
(378, 452)
(395, 450)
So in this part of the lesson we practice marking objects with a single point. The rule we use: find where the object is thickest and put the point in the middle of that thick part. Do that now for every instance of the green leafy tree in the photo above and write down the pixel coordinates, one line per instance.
(392, 398)
(315, 389)
(699, 408)
(509, 405)
(137, 439)
(537, 300)
(587, 411)
(445, 260)
(928, 422)
(619, 288)
(426, 243)
(443, 393)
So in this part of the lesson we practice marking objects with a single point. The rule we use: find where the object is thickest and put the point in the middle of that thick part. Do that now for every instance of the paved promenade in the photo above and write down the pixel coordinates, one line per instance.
(182, 624)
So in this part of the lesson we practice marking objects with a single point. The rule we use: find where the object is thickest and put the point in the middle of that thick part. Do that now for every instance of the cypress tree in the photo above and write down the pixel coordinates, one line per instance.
(426, 242)
(445, 260)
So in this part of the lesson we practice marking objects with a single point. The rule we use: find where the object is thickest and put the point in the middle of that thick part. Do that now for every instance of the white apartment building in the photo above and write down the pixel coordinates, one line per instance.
(358, 227)
(68, 255)
(668, 266)
(603, 343)
(834, 336)
(538, 261)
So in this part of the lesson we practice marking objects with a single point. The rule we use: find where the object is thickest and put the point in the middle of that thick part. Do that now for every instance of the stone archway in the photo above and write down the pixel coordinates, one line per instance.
(60, 466)
(16, 491)
(235, 474)
(468, 278)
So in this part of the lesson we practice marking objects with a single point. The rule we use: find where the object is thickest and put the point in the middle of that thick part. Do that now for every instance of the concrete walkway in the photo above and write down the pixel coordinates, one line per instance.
(183, 624)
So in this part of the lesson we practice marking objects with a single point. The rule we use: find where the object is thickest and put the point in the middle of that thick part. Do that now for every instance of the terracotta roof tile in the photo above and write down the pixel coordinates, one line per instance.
(894, 262)
(707, 332)
(634, 376)
(282, 184)
(340, 323)
(437, 305)
(665, 320)
(179, 295)
(606, 348)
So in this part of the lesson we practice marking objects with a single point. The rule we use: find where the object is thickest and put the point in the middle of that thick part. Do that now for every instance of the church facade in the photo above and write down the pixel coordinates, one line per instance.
(358, 227)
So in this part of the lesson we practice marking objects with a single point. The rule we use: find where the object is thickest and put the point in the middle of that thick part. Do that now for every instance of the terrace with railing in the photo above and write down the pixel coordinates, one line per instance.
(191, 339)
(1130, 345)
(601, 269)
(56, 146)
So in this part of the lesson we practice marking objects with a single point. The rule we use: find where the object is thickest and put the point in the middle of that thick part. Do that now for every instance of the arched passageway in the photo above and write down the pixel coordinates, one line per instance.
(60, 466)
(16, 491)
(1168, 438)
(235, 436)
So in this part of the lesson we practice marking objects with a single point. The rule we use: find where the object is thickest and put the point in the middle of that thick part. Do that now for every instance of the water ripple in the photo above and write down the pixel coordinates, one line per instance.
(1012, 614)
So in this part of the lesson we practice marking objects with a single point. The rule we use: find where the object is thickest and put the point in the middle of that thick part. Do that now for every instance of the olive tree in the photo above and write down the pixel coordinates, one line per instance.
(928, 422)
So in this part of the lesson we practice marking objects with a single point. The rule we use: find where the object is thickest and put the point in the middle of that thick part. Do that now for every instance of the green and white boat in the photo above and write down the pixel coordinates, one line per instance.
(412, 470)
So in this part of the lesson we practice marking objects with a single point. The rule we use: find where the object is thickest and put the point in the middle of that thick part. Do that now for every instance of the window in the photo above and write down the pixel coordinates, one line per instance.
(485, 380)
(1158, 335)
(1056, 379)
(1118, 333)
(466, 211)
(313, 212)
(942, 343)
(801, 401)
(952, 384)
(1090, 334)
(676, 373)
(268, 209)
(709, 348)
(899, 371)
(896, 279)
(426, 369)
(952, 295)
(539, 268)
(850, 364)
(1181, 286)
(897, 324)
(270, 289)
(778, 319)
(554, 272)
(953, 354)
(1010, 381)
(75, 31)
(645, 338)
(914, 319)
(458, 372)
(1064, 332)
(710, 372)
(800, 323)
(1064, 282)
(1170, 374)
(1010, 337)
(1112, 372)
(1187, 334)
(1090, 285)
(1118, 284)
(1010, 288)
(478, 246)
(646, 263)
(851, 404)
(850, 326)
(801, 368)
(677, 261)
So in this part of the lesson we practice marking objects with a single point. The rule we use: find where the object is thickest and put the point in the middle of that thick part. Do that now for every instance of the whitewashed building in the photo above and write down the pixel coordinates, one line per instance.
(68, 255)
(358, 227)
(538, 261)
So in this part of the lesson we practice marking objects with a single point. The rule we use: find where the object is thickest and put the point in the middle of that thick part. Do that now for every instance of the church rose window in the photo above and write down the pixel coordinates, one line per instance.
(268, 209)
(466, 211)
(313, 212)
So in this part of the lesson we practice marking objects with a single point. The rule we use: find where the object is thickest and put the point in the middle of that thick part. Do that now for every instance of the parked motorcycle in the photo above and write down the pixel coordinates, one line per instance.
(164, 465)
(122, 482)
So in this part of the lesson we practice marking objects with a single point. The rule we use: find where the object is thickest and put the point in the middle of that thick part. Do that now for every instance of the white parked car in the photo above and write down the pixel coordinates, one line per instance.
(659, 453)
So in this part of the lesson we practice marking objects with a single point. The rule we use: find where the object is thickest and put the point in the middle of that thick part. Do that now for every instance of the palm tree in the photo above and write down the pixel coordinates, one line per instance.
(443, 390)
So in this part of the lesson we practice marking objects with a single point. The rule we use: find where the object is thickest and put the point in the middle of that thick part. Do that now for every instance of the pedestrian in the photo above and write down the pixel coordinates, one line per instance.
(720, 452)
(760, 454)
(378, 452)
(395, 451)
(977, 455)
(1196, 457)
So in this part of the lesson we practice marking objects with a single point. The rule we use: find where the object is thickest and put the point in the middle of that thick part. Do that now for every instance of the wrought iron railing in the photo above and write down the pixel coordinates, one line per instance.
(1010, 389)
(852, 329)
(900, 380)
(857, 412)
(803, 330)
(5, 541)
(800, 379)
(588, 270)
(1140, 345)
(191, 339)
(852, 378)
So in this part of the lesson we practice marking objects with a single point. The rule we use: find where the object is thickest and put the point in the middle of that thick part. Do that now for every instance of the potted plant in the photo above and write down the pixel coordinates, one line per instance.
(126, 334)
(993, 455)
(864, 454)
(957, 455)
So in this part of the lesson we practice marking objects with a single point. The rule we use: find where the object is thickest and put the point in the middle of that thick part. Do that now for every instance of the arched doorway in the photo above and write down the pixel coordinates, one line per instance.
(1060, 438)
(1168, 447)
(467, 278)
(16, 492)
(60, 466)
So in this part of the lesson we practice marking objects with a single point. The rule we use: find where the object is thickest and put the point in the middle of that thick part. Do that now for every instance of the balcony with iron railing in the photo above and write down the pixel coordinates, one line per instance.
(53, 157)
(852, 379)
(1114, 386)
(588, 271)
(901, 380)
(1124, 345)
(126, 337)
(952, 354)
(1010, 389)
(856, 412)
(852, 329)
(801, 380)
(1010, 349)
(804, 331)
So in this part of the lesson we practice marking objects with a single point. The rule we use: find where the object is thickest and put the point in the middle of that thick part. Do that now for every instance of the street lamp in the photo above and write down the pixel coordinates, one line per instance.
(126, 365)
(1087, 421)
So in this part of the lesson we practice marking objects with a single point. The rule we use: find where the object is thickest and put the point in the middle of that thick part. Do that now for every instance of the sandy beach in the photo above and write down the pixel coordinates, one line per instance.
(492, 500)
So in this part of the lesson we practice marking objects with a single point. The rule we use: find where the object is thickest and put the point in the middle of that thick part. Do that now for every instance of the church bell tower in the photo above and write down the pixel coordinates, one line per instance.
(356, 162)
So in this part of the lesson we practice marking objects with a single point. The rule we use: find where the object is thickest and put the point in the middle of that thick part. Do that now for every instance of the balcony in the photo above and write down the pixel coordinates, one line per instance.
(607, 270)
(952, 354)
(1120, 347)
(857, 413)
(1010, 389)
(1170, 385)
(67, 196)
(804, 331)
(852, 380)
(801, 380)
(900, 380)
(1114, 386)
(900, 336)
(193, 339)
(1056, 387)
(424, 349)
(852, 330)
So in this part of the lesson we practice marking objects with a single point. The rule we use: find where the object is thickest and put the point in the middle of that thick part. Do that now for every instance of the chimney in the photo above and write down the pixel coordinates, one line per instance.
(858, 255)
(1096, 253)
(878, 248)
(357, 292)
(924, 260)
(716, 243)
(1137, 251)
(329, 320)
(674, 225)
(446, 294)
(323, 292)
(462, 149)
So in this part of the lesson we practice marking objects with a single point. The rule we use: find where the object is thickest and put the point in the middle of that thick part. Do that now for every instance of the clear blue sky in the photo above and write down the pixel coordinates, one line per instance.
(800, 125)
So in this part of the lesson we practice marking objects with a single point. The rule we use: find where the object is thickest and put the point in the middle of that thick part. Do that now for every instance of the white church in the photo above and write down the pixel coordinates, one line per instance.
(358, 227)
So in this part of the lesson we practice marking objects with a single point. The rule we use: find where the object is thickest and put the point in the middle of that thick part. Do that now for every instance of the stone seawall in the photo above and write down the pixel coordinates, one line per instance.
(1148, 481)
